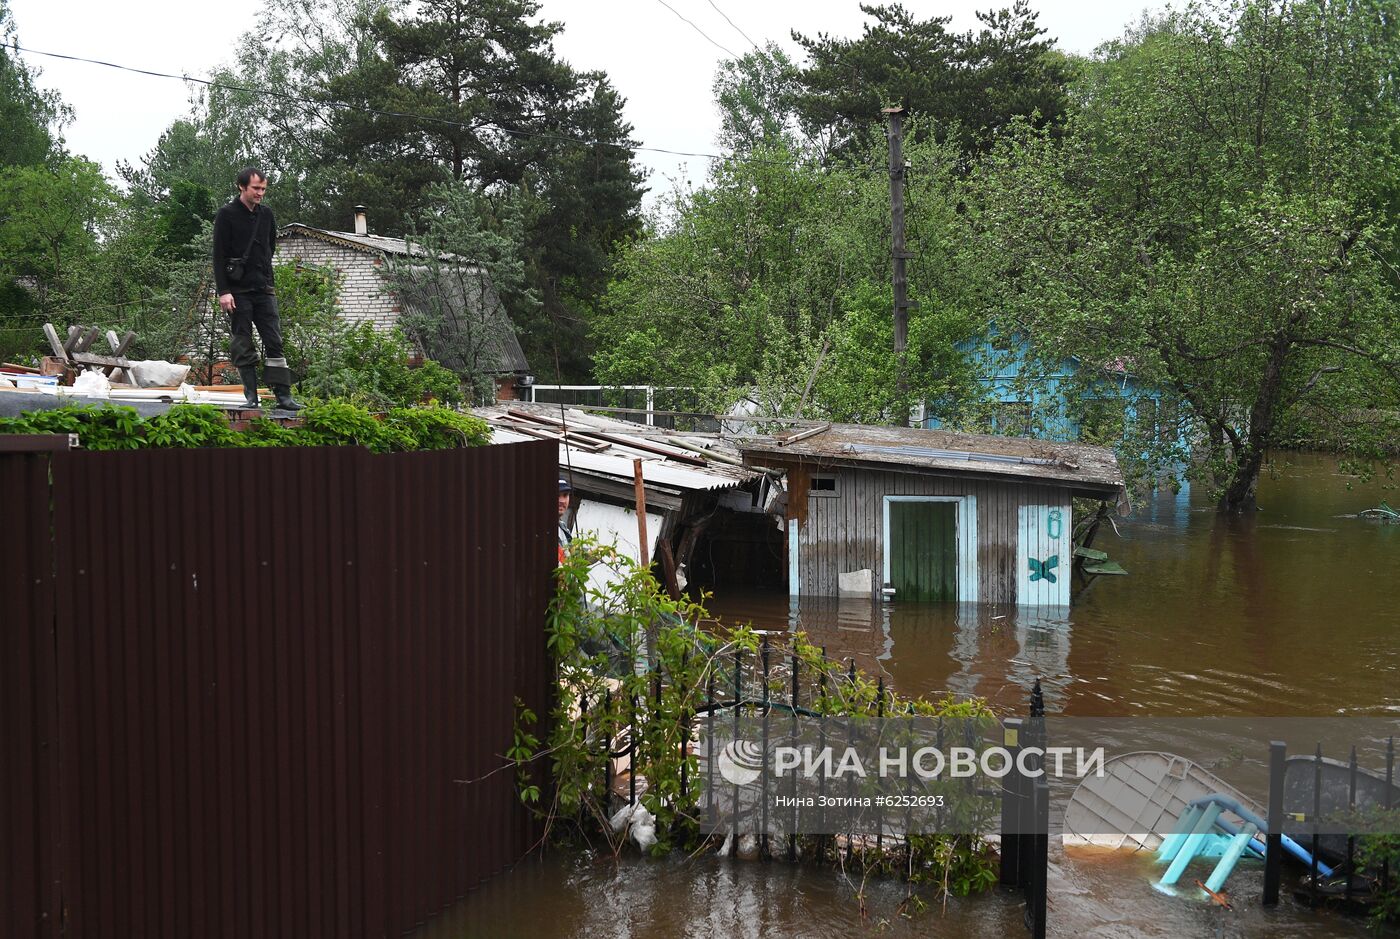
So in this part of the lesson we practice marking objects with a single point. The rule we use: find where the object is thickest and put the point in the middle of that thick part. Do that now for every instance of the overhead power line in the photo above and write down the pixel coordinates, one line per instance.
(707, 36)
(736, 27)
(404, 115)
(38, 316)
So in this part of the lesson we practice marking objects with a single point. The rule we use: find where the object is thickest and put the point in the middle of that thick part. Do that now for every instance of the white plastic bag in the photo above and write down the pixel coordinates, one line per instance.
(157, 373)
(92, 384)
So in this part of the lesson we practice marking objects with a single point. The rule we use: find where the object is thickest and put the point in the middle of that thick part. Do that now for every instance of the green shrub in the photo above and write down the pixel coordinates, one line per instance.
(262, 432)
(325, 424)
(351, 361)
(1377, 850)
(435, 428)
(336, 424)
(108, 427)
(190, 426)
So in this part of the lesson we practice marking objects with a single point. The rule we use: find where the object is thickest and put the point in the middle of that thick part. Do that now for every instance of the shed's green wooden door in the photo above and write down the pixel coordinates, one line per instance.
(923, 549)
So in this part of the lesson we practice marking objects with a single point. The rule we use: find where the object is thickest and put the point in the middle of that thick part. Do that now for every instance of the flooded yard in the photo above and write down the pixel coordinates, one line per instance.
(1289, 613)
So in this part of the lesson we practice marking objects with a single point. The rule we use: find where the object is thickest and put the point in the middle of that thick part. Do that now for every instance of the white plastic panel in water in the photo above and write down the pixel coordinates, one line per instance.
(614, 524)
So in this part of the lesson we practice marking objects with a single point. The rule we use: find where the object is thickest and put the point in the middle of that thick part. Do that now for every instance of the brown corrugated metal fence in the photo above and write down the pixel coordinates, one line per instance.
(263, 692)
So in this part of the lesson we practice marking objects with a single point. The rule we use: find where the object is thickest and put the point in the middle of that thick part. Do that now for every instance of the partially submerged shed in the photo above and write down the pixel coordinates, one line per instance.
(934, 515)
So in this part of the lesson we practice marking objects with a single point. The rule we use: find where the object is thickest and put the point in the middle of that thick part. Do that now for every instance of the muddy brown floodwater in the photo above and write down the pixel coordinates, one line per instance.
(1292, 612)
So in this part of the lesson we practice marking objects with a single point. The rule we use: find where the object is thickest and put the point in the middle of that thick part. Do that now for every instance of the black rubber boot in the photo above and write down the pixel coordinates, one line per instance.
(249, 375)
(285, 401)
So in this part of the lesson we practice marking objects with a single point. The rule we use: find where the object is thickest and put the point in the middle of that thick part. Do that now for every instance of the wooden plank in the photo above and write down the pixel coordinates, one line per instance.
(60, 351)
(679, 456)
(640, 489)
(119, 346)
(88, 358)
(809, 432)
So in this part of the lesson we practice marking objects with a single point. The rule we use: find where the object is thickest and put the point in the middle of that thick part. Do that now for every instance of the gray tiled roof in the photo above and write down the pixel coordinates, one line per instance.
(375, 244)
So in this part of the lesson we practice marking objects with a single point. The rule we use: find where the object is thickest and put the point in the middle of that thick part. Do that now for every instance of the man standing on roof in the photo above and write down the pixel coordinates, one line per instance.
(244, 233)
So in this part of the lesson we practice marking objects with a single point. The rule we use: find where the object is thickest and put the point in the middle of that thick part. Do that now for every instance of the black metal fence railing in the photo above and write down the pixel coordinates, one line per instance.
(772, 692)
(1025, 813)
(1324, 805)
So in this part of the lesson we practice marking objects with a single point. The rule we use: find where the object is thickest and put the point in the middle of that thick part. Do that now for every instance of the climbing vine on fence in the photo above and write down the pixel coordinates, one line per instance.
(632, 662)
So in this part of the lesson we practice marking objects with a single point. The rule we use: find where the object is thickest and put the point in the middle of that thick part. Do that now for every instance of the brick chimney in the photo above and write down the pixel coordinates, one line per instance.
(361, 221)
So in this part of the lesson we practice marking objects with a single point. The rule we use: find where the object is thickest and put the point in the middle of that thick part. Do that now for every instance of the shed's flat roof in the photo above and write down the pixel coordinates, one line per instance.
(1082, 467)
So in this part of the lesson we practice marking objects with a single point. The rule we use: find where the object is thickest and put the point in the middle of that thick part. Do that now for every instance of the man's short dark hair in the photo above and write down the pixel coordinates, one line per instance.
(245, 175)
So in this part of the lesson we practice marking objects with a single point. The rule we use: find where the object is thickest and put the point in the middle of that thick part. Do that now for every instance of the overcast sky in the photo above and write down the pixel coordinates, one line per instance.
(663, 66)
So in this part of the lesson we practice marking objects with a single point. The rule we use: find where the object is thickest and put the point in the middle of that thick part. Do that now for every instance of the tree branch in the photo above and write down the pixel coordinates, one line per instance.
(1333, 344)
(1312, 381)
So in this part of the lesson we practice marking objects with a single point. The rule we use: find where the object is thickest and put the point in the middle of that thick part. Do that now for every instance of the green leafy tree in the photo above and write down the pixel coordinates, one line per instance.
(1210, 222)
(757, 99)
(351, 361)
(138, 280)
(30, 116)
(967, 86)
(181, 219)
(760, 285)
(50, 217)
(272, 108)
(465, 273)
(862, 382)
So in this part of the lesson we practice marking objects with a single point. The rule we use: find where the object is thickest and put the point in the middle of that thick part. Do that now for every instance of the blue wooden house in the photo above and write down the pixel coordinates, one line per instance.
(1056, 400)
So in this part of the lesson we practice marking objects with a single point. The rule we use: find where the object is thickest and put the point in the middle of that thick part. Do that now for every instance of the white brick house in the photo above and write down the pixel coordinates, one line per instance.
(359, 259)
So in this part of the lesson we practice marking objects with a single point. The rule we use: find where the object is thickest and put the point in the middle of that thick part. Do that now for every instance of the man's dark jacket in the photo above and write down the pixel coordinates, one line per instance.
(234, 227)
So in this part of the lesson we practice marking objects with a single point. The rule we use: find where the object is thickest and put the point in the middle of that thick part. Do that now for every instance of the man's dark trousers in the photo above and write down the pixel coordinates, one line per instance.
(257, 309)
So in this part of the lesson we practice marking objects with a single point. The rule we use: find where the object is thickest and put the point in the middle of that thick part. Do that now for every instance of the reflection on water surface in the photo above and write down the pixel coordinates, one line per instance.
(1293, 612)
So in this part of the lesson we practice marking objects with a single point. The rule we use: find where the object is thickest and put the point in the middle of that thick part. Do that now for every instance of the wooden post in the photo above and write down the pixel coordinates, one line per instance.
(899, 254)
(643, 555)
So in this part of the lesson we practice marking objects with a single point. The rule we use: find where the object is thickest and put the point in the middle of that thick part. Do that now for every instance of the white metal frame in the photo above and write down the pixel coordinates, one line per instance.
(964, 531)
(649, 389)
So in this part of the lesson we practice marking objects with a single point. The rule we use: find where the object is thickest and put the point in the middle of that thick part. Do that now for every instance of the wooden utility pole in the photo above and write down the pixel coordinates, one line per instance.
(898, 252)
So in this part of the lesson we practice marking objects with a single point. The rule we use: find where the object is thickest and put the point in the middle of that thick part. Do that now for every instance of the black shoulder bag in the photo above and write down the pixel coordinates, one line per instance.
(235, 268)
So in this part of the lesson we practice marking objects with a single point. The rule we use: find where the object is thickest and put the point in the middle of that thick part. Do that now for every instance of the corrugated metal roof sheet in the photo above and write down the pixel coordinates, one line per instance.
(605, 447)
